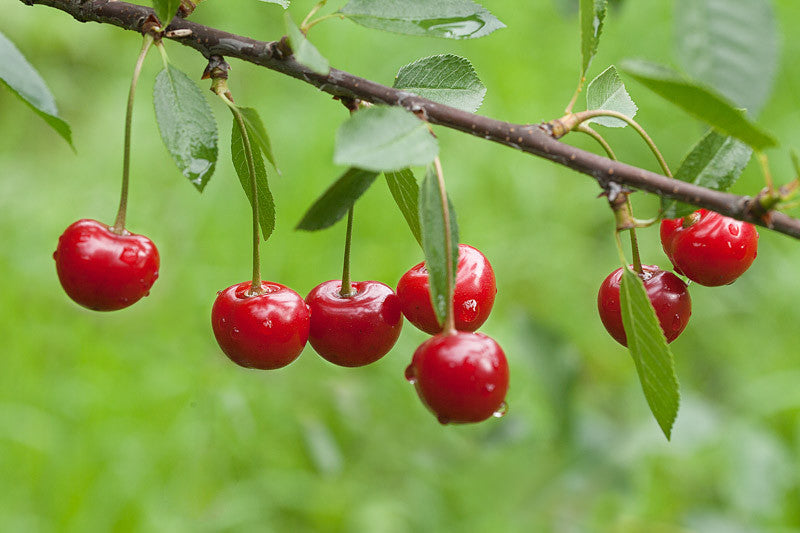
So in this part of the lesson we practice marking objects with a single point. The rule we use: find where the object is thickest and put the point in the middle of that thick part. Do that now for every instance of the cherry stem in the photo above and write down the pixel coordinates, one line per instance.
(637, 261)
(449, 317)
(122, 211)
(255, 286)
(583, 116)
(347, 291)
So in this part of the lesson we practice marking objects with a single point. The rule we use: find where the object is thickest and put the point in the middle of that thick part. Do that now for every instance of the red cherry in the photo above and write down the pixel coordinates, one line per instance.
(356, 330)
(461, 377)
(709, 248)
(473, 298)
(103, 270)
(264, 331)
(668, 294)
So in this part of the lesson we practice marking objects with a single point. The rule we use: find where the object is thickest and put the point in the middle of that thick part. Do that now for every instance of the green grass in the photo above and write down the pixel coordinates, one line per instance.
(135, 421)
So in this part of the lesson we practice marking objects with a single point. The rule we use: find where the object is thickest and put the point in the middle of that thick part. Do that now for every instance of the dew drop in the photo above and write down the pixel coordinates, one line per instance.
(267, 323)
(501, 411)
(443, 420)
(219, 292)
(734, 229)
(411, 374)
(55, 255)
(235, 332)
(676, 322)
(223, 320)
(489, 387)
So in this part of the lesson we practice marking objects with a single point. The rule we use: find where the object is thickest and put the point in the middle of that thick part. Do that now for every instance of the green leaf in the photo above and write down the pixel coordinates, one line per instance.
(266, 204)
(382, 138)
(431, 217)
(650, 351)
(592, 15)
(337, 200)
(303, 51)
(451, 19)
(607, 91)
(165, 10)
(405, 191)
(700, 102)
(730, 45)
(283, 3)
(24, 81)
(716, 162)
(258, 133)
(447, 79)
(187, 125)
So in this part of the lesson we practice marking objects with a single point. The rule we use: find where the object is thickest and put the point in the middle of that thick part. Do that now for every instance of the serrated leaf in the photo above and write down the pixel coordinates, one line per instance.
(337, 200)
(650, 351)
(283, 3)
(258, 133)
(607, 91)
(715, 162)
(447, 79)
(187, 125)
(165, 10)
(24, 81)
(451, 19)
(303, 51)
(266, 203)
(592, 15)
(700, 102)
(730, 45)
(431, 218)
(405, 191)
(382, 138)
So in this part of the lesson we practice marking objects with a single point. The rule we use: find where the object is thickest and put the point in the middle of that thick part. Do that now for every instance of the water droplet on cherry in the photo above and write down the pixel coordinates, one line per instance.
(411, 374)
(734, 229)
(501, 411)
(443, 419)
(468, 311)
(267, 323)
(129, 256)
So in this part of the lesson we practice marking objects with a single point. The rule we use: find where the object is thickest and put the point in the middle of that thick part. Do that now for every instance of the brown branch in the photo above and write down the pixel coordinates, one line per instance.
(528, 138)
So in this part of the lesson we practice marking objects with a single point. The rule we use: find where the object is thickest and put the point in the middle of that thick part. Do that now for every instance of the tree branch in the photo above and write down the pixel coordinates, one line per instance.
(528, 138)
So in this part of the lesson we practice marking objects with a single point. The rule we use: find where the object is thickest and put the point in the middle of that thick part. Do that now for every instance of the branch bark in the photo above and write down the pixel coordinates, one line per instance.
(530, 138)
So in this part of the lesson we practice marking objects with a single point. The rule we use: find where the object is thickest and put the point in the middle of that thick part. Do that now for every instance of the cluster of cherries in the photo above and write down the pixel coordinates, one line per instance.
(706, 247)
(461, 376)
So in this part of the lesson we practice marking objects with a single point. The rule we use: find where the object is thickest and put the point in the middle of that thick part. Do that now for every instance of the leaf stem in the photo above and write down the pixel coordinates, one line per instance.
(764, 162)
(449, 317)
(122, 211)
(583, 116)
(574, 99)
(584, 128)
(255, 286)
(347, 291)
(304, 26)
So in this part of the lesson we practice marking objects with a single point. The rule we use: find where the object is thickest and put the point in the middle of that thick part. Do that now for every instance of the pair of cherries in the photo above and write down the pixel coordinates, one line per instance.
(461, 376)
(706, 247)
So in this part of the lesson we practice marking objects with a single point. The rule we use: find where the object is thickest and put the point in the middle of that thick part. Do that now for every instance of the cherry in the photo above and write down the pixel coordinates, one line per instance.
(103, 270)
(355, 330)
(473, 298)
(709, 248)
(265, 331)
(668, 294)
(461, 377)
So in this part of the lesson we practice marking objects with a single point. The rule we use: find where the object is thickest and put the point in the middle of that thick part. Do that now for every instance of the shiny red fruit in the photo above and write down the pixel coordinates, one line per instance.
(461, 377)
(473, 298)
(668, 294)
(356, 330)
(103, 270)
(264, 331)
(709, 248)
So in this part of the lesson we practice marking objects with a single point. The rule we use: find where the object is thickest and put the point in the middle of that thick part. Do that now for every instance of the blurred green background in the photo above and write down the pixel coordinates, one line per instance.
(135, 421)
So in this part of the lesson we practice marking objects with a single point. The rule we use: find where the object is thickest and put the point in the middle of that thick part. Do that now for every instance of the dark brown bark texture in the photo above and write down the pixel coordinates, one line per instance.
(531, 138)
